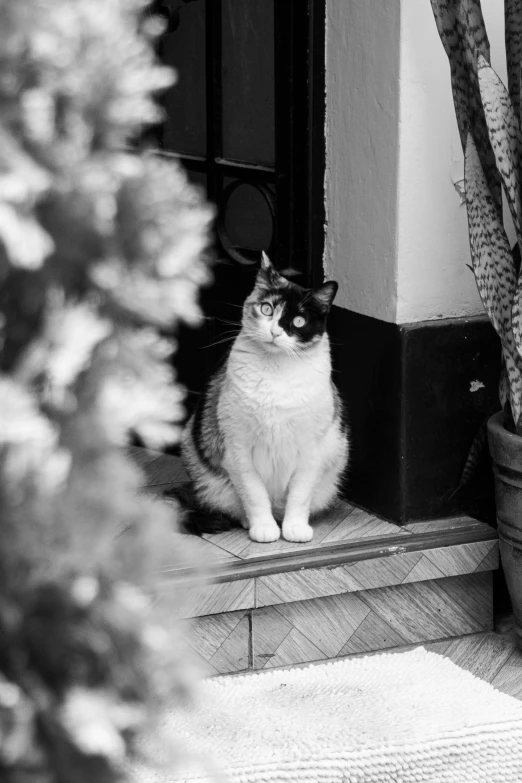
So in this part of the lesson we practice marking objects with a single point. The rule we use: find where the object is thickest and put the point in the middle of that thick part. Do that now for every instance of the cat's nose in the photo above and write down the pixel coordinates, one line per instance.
(275, 331)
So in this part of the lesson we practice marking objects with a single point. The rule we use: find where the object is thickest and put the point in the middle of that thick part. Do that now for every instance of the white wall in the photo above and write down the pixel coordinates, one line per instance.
(362, 60)
(397, 237)
(432, 234)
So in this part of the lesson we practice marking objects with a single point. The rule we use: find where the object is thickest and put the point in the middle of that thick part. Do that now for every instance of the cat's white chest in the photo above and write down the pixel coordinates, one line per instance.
(279, 413)
(278, 401)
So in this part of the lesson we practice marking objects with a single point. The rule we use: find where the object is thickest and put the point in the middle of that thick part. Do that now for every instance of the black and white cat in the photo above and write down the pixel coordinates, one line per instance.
(267, 441)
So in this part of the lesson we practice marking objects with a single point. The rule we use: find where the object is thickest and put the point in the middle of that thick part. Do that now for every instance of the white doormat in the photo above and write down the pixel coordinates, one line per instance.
(389, 718)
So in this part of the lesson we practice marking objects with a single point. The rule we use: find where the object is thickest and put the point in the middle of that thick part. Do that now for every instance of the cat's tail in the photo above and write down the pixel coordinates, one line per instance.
(197, 520)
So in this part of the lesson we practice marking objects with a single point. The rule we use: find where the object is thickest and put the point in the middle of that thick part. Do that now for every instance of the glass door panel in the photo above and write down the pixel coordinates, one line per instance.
(184, 48)
(248, 81)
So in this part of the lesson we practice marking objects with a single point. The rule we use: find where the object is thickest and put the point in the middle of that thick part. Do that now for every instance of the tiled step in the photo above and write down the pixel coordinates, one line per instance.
(385, 594)
(362, 584)
(326, 628)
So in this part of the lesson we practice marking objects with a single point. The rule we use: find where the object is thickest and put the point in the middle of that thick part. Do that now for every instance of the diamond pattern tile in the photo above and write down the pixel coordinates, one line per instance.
(369, 574)
(370, 620)
(223, 641)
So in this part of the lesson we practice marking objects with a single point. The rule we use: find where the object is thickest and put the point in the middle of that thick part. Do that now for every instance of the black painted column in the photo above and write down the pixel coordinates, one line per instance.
(416, 395)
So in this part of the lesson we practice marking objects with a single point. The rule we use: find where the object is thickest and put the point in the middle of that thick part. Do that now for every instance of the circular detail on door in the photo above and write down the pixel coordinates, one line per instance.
(246, 220)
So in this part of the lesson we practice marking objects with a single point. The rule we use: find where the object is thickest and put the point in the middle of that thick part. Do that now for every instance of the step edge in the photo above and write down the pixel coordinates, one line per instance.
(342, 554)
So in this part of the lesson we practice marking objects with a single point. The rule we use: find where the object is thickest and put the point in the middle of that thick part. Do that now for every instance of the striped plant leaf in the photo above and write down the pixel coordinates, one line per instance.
(514, 371)
(513, 36)
(493, 267)
(503, 384)
(472, 30)
(516, 315)
(490, 250)
(445, 14)
(461, 44)
(504, 135)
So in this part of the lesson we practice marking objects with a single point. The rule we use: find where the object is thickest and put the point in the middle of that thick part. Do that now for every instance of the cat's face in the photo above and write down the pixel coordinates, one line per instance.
(284, 317)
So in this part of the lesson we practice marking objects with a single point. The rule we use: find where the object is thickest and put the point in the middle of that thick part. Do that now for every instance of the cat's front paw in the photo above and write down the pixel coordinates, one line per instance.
(297, 532)
(264, 533)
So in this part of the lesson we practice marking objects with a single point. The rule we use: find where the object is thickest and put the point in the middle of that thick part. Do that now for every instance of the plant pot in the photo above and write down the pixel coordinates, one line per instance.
(506, 452)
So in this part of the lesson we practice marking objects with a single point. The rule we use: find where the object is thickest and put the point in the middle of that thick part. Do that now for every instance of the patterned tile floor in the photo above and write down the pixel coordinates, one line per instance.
(336, 626)
(494, 657)
(342, 525)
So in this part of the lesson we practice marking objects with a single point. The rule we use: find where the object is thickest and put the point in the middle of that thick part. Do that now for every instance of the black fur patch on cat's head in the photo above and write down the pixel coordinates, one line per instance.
(311, 304)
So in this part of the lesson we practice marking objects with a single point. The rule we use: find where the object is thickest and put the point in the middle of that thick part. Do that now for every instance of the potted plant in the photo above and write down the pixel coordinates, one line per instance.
(489, 123)
(100, 248)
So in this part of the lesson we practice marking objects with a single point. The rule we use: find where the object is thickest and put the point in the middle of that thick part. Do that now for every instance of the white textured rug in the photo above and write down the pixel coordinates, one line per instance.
(390, 718)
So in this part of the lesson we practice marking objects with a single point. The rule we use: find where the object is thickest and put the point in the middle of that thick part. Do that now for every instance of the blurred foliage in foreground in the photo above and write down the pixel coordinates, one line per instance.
(99, 249)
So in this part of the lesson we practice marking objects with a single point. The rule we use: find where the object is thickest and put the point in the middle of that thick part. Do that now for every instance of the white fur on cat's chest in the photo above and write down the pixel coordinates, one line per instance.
(278, 401)
(280, 415)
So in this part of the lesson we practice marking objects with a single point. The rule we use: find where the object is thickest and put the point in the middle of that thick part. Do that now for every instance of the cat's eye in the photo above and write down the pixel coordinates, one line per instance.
(267, 308)
(299, 321)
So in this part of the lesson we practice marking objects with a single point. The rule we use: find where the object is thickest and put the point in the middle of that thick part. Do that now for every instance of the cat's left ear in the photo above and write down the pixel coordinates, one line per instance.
(325, 294)
(266, 264)
(267, 274)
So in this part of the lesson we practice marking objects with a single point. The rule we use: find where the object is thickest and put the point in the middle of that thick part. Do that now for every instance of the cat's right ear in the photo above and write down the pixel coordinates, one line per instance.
(325, 294)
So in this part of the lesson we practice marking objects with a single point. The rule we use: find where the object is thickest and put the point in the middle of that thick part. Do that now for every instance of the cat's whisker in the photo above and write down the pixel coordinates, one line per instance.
(221, 320)
(221, 338)
(296, 353)
(231, 304)
(235, 330)
(219, 342)
(225, 321)
(250, 334)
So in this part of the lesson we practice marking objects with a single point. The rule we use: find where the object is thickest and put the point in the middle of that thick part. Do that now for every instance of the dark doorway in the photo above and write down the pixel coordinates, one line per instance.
(246, 118)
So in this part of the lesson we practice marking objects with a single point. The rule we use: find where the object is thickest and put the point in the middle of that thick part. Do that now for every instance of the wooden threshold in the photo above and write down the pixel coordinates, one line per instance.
(343, 553)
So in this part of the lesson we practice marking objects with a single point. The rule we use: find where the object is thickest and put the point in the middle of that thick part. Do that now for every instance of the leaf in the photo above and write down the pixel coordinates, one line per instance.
(503, 384)
(493, 267)
(22, 183)
(446, 20)
(490, 250)
(459, 187)
(22, 179)
(516, 315)
(462, 32)
(513, 37)
(472, 29)
(504, 135)
(138, 391)
(26, 243)
(472, 460)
